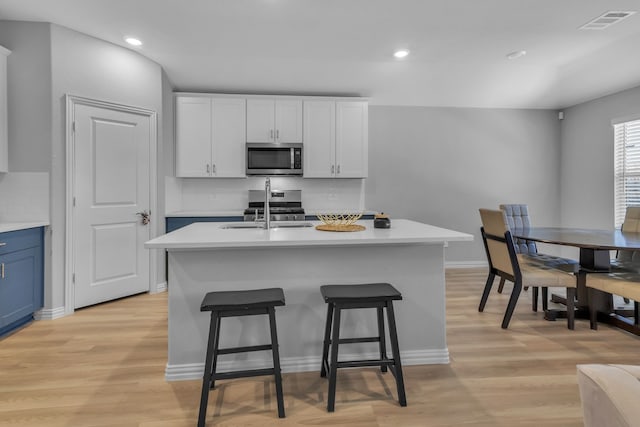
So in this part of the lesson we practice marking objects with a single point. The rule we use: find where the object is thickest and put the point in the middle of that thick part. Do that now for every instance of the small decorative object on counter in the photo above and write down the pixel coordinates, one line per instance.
(343, 222)
(381, 220)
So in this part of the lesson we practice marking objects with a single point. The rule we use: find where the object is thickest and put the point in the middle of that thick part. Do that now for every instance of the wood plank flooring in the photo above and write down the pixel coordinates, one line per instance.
(104, 366)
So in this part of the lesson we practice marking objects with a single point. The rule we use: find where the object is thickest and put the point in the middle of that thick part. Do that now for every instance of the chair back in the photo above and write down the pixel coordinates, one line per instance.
(497, 240)
(631, 224)
(518, 220)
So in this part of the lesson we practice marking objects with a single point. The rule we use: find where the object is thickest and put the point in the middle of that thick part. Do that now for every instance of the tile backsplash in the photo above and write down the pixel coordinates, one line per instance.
(318, 195)
(24, 197)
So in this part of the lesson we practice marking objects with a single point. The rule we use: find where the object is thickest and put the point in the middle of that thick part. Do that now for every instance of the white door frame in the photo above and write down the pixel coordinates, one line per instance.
(71, 102)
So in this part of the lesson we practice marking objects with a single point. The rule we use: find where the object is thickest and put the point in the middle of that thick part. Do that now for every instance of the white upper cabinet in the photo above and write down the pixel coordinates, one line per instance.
(210, 137)
(4, 125)
(352, 139)
(274, 120)
(319, 139)
(335, 139)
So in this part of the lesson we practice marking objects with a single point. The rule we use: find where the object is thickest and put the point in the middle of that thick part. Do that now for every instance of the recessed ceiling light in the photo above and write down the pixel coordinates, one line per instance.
(516, 54)
(133, 41)
(402, 53)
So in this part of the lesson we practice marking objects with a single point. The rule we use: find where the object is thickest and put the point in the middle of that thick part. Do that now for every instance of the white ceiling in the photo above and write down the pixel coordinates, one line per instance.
(344, 47)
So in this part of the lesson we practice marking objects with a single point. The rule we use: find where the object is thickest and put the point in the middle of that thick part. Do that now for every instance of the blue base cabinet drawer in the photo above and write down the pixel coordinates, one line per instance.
(21, 277)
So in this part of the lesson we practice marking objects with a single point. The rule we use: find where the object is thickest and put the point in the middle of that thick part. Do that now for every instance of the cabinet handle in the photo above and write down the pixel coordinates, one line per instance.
(208, 169)
(2, 270)
(271, 134)
(333, 169)
(278, 134)
(213, 168)
(338, 170)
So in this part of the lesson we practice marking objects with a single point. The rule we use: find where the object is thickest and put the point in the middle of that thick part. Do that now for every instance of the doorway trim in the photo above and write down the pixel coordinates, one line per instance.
(71, 102)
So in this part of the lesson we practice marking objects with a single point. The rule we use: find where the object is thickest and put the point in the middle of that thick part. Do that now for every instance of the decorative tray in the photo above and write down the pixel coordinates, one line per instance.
(340, 223)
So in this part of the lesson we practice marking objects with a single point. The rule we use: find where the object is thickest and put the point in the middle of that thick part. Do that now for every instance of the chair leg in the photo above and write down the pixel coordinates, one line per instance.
(487, 289)
(501, 285)
(513, 300)
(208, 368)
(276, 361)
(333, 365)
(545, 298)
(382, 337)
(395, 348)
(327, 340)
(571, 313)
(593, 312)
(534, 299)
(636, 313)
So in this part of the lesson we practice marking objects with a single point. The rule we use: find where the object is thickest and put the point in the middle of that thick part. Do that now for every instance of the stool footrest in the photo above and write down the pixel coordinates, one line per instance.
(242, 374)
(362, 363)
(357, 340)
(233, 350)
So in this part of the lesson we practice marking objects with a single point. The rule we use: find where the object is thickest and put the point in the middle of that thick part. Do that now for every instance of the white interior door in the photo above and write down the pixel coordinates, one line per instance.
(110, 187)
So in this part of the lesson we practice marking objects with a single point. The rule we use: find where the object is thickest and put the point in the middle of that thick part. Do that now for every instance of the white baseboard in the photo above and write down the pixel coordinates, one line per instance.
(465, 264)
(161, 287)
(193, 371)
(49, 313)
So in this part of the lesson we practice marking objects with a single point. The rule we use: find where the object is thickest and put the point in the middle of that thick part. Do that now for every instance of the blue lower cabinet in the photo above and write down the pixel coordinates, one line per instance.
(21, 277)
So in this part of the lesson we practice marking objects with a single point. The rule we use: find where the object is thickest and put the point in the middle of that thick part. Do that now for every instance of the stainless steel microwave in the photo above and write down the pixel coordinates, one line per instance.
(274, 159)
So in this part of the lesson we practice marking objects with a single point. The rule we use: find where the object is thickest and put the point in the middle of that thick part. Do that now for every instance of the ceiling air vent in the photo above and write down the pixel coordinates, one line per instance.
(606, 20)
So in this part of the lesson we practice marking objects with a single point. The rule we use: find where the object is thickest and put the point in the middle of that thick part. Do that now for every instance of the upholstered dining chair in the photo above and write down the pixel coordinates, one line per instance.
(631, 224)
(505, 263)
(518, 219)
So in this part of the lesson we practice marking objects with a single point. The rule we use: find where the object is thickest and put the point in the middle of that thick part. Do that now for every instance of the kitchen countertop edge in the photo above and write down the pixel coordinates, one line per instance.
(14, 226)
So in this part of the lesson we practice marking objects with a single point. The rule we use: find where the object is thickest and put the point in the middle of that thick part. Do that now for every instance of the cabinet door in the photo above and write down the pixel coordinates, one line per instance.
(260, 120)
(229, 136)
(288, 123)
(319, 139)
(18, 285)
(352, 139)
(193, 137)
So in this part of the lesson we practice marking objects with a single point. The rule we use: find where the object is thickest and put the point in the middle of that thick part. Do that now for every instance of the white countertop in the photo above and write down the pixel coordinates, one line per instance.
(212, 235)
(13, 226)
(240, 212)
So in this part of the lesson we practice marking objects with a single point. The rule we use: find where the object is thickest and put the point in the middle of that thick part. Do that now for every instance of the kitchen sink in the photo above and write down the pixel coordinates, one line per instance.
(274, 224)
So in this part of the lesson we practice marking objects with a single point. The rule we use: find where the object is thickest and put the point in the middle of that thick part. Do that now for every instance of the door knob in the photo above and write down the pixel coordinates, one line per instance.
(146, 216)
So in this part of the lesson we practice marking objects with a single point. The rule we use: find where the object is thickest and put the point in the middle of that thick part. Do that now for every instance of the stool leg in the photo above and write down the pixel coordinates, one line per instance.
(395, 348)
(216, 344)
(276, 361)
(208, 368)
(534, 299)
(333, 366)
(327, 339)
(545, 298)
(571, 314)
(381, 335)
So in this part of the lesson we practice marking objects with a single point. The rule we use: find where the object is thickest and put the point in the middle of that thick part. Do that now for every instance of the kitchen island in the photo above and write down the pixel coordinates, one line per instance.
(206, 257)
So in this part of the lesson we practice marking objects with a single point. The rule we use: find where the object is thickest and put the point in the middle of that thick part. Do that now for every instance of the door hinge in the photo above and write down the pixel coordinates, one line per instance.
(73, 126)
(73, 278)
(74, 202)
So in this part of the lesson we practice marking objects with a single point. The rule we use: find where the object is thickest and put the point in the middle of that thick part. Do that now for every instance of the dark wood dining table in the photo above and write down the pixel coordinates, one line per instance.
(595, 257)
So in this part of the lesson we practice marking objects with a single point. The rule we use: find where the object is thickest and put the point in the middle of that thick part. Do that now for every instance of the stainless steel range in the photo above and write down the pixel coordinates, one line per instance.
(284, 205)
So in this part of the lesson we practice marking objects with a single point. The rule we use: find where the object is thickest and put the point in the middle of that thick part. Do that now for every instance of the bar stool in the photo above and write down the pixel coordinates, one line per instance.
(343, 297)
(234, 304)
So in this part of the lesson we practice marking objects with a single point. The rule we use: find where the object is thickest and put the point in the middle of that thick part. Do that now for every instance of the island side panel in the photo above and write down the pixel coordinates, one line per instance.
(417, 270)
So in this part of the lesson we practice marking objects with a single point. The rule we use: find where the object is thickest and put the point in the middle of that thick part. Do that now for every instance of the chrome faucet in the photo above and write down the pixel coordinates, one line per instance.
(267, 196)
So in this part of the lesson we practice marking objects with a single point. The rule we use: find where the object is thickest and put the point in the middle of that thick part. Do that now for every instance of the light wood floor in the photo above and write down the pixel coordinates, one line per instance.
(104, 366)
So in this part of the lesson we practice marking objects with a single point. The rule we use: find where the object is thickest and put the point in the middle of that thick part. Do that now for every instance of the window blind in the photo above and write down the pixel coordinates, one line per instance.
(627, 168)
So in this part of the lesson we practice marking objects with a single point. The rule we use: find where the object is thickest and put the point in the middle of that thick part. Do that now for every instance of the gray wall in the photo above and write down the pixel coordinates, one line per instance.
(85, 66)
(48, 62)
(587, 169)
(439, 165)
(29, 91)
